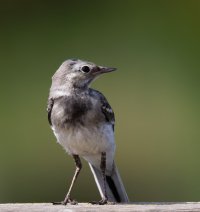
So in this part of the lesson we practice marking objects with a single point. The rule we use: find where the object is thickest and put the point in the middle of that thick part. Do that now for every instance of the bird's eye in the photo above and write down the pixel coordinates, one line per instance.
(85, 69)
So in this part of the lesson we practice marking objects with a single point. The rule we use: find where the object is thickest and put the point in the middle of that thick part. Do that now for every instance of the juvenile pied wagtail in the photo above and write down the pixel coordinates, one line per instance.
(83, 123)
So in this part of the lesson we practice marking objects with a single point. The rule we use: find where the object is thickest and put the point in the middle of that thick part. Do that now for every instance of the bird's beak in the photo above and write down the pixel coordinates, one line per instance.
(107, 69)
(102, 70)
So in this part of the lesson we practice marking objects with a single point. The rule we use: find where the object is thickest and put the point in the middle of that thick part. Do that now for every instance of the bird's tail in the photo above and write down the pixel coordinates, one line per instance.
(114, 186)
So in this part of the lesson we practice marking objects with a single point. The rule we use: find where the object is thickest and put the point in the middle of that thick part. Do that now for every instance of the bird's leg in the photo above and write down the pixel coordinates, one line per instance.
(78, 169)
(104, 200)
(103, 170)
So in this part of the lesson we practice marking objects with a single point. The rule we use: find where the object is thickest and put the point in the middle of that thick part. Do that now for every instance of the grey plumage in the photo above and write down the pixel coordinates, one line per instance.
(83, 123)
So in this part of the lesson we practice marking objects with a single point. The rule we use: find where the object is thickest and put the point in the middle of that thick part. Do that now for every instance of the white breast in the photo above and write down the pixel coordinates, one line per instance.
(83, 141)
(88, 143)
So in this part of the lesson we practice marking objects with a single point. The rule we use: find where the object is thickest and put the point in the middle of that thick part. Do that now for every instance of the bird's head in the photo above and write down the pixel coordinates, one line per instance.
(75, 73)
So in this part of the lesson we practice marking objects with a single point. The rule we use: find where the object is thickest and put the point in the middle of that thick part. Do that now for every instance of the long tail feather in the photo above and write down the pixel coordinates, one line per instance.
(114, 186)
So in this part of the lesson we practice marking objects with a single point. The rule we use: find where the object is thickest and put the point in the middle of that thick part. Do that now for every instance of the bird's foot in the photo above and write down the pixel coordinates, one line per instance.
(102, 202)
(66, 201)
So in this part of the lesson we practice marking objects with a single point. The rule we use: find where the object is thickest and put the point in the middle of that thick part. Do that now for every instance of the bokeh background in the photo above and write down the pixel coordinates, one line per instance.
(155, 95)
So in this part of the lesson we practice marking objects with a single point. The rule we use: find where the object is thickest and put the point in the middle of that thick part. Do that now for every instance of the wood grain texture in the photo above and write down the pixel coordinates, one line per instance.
(83, 207)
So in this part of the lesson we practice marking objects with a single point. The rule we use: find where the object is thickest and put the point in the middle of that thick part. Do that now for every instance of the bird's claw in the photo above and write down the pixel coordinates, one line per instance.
(66, 201)
(102, 202)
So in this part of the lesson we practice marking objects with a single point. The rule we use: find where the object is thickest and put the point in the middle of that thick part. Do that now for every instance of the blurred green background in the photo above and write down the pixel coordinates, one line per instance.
(155, 95)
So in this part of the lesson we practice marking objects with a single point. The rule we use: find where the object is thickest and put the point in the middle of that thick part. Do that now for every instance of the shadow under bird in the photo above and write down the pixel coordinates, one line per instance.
(83, 123)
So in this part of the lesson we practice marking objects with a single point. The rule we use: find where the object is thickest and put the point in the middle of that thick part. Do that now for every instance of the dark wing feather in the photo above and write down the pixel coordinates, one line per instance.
(105, 108)
(108, 112)
(49, 109)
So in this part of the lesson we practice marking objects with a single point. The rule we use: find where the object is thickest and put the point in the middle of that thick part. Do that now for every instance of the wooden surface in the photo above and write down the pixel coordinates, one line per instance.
(48, 207)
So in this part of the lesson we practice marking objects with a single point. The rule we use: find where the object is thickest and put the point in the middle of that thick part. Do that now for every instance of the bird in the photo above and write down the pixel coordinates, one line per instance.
(83, 122)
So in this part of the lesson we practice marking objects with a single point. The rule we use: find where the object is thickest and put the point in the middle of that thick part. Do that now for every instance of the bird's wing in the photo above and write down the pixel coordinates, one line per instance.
(49, 109)
(105, 107)
(108, 112)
